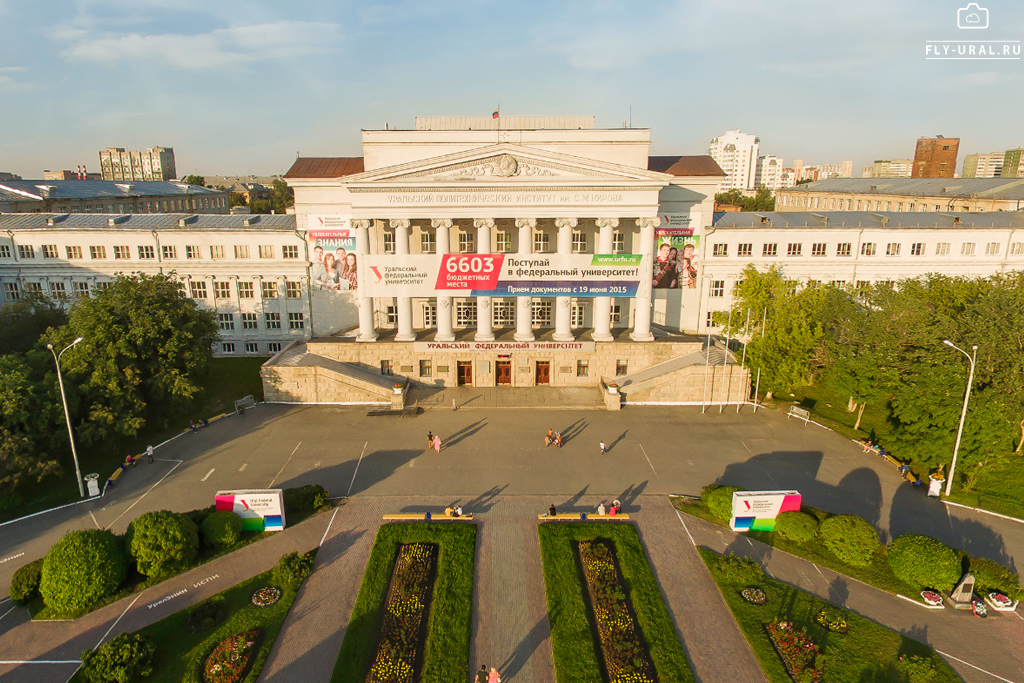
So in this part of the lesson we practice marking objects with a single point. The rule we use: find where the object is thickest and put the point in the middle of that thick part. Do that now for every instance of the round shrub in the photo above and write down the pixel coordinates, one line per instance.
(162, 542)
(719, 501)
(81, 569)
(292, 569)
(222, 529)
(924, 562)
(850, 538)
(740, 570)
(126, 658)
(25, 583)
(991, 576)
(796, 526)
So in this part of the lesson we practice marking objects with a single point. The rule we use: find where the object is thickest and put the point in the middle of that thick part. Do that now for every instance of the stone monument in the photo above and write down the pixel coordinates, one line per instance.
(963, 595)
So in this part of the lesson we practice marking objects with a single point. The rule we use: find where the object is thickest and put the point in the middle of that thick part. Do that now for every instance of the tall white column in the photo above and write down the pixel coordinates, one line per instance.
(445, 331)
(603, 304)
(367, 333)
(405, 333)
(563, 324)
(484, 320)
(642, 302)
(524, 304)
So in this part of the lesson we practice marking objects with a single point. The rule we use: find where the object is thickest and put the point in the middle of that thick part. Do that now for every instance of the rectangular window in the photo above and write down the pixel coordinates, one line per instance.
(82, 290)
(241, 251)
(103, 286)
(49, 251)
(385, 368)
(719, 249)
(5, 251)
(217, 252)
(269, 290)
(576, 313)
(57, 291)
(819, 249)
(274, 347)
(389, 243)
(293, 290)
(892, 249)
(942, 249)
(1017, 248)
(169, 252)
(266, 251)
(717, 288)
(579, 242)
(252, 347)
(198, 289)
(540, 243)
(711, 319)
(192, 252)
(296, 321)
(227, 347)
(222, 290)
(618, 242)
(867, 249)
(465, 313)
(503, 242)
(616, 314)
(794, 249)
(246, 291)
(583, 368)
(147, 252)
(289, 251)
(27, 251)
(621, 368)
(813, 284)
(248, 321)
(428, 243)
(466, 243)
(426, 368)
(34, 288)
(391, 314)
(745, 249)
(11, 291)
(74, 252)
(991, 249)
(272, 321)
(839, 284)
(967, 249)
(226, 321)
(540, 313)
(769, 250)
(504, 312)
(917, 249)
(429, 315)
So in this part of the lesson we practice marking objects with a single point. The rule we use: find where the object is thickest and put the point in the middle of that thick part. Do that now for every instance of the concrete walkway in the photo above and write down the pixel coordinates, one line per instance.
(476, 398)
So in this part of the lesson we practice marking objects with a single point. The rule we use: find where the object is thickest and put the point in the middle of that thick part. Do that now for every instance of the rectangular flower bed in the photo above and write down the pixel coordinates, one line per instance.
(797, 651)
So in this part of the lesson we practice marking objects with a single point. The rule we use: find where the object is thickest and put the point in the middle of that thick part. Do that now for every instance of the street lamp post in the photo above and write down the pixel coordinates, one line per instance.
(67, 415)
(963, 413)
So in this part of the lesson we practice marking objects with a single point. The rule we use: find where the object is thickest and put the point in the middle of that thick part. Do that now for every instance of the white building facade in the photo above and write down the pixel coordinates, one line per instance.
(737, 154)
(771, 174)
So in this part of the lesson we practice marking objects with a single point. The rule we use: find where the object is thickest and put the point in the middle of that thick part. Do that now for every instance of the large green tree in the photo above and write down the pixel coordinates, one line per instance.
(23, 321)
(194, 180)
(281, 196)
(763, 200)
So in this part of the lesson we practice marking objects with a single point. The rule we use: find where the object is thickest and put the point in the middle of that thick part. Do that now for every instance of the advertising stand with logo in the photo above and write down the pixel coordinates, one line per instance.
(260, 509)
(757, 510)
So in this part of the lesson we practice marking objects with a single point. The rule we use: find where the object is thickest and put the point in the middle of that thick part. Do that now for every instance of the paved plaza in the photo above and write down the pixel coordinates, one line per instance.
(495, 464)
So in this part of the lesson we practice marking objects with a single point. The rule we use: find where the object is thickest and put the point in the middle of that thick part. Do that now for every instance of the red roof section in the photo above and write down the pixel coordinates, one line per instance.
(703, 165)
(325, 167)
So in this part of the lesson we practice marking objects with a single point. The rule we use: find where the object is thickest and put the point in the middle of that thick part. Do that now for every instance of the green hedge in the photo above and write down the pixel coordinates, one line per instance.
(81, 569)
(924, 562)
(992, 576)
(850, 538)
(448, 629)
(796, 526)
(292, 569)
(718, 500)
(162, 542)
(573, 643)
(305, 498)
(126, 658)
(25, 583)
(221, 529)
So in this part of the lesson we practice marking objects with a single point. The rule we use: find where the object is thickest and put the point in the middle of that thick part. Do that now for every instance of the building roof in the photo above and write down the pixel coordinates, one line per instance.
(868, 219)
(325, 167)
(982, 188)
(146, 221)
(98, 189)
(703, 165)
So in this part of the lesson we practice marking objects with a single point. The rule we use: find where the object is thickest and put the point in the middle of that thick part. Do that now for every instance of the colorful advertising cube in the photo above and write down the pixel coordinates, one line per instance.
(757, 510)
(260, 509)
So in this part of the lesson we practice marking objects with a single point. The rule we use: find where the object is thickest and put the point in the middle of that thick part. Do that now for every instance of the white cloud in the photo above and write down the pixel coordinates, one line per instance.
(212, 50)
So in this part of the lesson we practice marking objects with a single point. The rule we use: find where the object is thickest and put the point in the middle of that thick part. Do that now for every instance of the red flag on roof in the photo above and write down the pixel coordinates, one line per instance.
(495, 114)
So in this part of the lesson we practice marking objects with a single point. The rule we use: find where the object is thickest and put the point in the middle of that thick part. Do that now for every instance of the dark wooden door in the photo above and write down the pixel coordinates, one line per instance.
(504, 368)
(465, 371)
(543, 372)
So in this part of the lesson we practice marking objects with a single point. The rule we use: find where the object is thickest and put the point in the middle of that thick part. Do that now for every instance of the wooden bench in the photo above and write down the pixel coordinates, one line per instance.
(909, 476)
(422, 517)
(576, 516)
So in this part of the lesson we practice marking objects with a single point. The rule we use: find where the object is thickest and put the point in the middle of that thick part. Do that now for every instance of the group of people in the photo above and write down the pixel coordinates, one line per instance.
(483, 677)
(196, 426)
(456, 511)
(553, 437)
(433, 442)
(673, 270)
(611, 511)
(334, 271)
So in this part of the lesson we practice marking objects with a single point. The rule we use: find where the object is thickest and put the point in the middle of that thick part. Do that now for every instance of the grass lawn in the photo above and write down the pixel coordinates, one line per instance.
(180, 653)
(868, 653)
(446, 656)
(573, 638)
(877, 573)
(999, 488)
(228, 380)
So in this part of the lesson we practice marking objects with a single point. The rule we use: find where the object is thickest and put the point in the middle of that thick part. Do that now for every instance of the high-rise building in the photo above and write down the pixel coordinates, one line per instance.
(843, 169)
(982, 165)
(1013, 163)
(156, 163)
(935, 157)
(889, 168)
(736, 154)
(769, 173)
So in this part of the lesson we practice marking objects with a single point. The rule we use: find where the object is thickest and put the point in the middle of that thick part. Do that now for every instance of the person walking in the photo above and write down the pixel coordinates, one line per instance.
(481, 675)
(549, 437)
(149, 454)
(604, 447)
(558, 439)
(430, 440)
(455, 407)
(494, 677)
(437, 443)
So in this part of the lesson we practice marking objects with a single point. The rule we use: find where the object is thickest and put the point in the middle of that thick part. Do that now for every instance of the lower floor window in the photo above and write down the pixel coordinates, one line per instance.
(425, 368)
(576, 313)
(616, 313)
(621, 368)
(296, 321)
(392, 314)
(227, 347)
(252, 347)
(274, 347)
(582, 368)
(465, 313)
(540, 312)
(429, 315)
(385, 367)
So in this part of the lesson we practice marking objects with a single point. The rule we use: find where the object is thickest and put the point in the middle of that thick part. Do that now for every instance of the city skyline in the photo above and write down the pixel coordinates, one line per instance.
(241, 89)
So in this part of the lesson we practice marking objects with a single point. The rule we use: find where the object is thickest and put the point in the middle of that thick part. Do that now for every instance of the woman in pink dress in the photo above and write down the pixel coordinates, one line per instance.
(493, 677)
(437, 444)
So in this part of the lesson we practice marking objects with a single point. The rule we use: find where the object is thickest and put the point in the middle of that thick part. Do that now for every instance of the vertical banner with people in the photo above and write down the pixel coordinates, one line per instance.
(333, 273)
(675, 258)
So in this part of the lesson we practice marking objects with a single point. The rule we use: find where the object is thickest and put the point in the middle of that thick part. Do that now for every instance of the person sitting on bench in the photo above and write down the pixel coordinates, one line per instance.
(552, 512)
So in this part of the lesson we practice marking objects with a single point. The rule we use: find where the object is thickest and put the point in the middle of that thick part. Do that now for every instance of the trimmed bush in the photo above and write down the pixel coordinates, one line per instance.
(198, 516)
(850, 538)
(81, 569)
(796, 526)
(305, 498)
(25, 583)
(740, 570)
(162, 542)
(924, 562)
(126, 658)
(718, 500)
(292, 569)
(992, 576)
(222, 529)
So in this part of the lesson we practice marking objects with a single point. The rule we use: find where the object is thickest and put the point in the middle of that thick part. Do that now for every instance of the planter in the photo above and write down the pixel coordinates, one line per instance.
(613, 388)
(833, 620)
(931, 598)
(266, 596)
(397, 389)
(232, 658)
(796, 650)
(754, 595)
(1000, 602)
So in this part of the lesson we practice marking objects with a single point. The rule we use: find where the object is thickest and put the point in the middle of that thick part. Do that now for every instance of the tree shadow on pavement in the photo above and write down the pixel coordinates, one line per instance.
(839, 591)
(515, 661)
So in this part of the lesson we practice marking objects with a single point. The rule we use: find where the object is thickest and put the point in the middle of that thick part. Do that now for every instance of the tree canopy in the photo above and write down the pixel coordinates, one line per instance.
(194, 180)
(762, 201)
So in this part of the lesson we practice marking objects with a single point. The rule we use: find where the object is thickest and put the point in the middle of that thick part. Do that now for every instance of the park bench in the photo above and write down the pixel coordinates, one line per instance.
(422, 517)
(577, 516)
(802, 413)
(244, 404)
(908, 475)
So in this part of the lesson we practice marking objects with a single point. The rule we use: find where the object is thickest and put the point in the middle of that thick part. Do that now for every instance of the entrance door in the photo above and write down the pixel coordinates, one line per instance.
(504, 368)
(465, 372)
(543, 372)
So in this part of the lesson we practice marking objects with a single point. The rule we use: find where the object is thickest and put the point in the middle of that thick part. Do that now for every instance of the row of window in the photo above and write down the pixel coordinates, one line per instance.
(147, 252)
(250, 347)
(503, 242)
(866, 249)
(271, 321)
(246, 290)
(503, 313)
(716, 288)
(169, 205)
(56, 290)
(427, 368)
(845, 204)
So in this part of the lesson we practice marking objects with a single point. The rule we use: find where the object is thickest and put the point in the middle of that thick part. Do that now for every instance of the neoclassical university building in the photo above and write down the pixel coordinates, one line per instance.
(511, 252)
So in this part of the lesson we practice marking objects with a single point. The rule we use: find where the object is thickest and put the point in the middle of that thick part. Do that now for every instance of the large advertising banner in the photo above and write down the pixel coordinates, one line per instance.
(502, 275)
(260, 509)
(675, 258)
(332, 249)
(757, 510)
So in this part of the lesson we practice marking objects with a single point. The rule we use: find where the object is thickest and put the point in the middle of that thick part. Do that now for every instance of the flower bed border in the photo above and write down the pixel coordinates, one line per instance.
(253, 655)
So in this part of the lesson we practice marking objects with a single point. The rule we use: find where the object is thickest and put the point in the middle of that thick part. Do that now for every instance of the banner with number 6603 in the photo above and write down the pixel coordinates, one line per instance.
(503, 275)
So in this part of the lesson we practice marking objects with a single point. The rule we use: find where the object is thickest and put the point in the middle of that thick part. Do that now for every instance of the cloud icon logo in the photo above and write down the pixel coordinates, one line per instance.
(973, 19)
(972, 16)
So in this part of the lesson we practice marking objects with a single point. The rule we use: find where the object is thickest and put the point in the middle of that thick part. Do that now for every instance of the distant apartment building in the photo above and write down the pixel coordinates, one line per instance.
(9, 176)
(889, 168)
(78, 174)
(982, 165)
(769, 172)
(935, 157)
(904, 195)
(252, 191)
(843, 169)
(156, 163)
(104, 196)
(1013, 163)
(736, 154)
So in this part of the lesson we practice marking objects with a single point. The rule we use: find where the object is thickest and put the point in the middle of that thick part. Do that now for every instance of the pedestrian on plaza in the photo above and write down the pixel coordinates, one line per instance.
(481, 675)
(149, 454)
(558, 439)
(454, 407)
(430, 440)
(600, 508)
(494, 677)
(458, 510)
(549, 438)
(603, 446)
(552, 511)
(437, 444)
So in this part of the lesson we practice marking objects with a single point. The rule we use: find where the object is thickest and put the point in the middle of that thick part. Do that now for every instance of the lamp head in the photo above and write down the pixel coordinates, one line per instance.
(76, 341)
(947, 342)
(49, 347)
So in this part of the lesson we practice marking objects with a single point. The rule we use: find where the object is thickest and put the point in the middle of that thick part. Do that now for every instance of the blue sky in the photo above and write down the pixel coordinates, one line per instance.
(240, 87)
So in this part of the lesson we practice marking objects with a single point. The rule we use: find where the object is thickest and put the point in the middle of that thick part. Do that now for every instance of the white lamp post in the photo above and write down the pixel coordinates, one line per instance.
(963, 413)
(67, 416)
